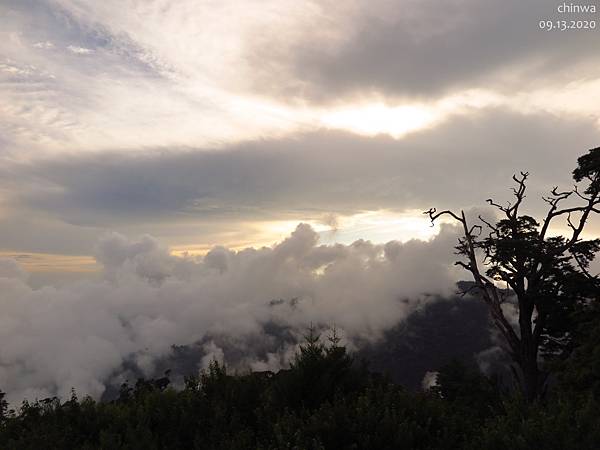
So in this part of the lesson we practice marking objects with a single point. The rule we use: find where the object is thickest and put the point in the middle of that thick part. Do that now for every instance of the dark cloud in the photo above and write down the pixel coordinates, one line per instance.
(24, 230)
(427, 48)
(458, 164)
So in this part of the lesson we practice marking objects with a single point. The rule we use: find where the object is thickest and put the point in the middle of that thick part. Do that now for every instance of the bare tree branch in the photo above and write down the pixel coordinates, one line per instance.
(595, 279)
(433, 215)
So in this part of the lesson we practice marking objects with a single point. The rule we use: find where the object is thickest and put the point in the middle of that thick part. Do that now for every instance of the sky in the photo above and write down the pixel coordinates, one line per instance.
(174, 128)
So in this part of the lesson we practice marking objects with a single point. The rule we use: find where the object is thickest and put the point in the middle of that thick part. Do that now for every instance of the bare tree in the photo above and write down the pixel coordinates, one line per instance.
(546, 277)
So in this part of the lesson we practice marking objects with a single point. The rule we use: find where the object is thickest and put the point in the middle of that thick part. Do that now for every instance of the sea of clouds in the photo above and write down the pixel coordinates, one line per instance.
(88, 334)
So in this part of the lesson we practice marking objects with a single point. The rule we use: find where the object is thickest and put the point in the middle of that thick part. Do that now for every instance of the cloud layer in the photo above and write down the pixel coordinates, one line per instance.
(194, 198)
(82, 334)
(458, 164)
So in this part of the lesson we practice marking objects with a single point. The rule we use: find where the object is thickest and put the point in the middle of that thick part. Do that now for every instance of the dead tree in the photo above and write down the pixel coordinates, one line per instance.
(546, 274)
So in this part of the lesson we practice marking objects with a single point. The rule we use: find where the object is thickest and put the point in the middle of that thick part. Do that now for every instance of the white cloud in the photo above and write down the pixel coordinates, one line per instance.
(79, 335)
(79, 50)
(44, 45)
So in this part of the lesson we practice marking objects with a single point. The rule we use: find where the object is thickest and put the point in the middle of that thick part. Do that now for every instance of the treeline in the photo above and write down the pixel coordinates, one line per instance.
(326, 400)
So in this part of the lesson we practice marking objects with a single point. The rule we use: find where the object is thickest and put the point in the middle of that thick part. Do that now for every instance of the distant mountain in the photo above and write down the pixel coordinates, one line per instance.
(439, 331)
(456, 328)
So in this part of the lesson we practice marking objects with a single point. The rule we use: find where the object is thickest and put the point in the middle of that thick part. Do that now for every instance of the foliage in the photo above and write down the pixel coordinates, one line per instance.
(324, 401)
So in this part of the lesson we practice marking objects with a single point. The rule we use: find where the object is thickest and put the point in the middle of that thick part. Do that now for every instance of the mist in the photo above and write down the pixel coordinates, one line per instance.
(93, 334)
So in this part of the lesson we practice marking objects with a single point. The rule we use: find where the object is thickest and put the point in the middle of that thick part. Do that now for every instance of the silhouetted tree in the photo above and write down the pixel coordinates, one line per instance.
(317, 373)
(548, 276)
(3, 407)
(222, 411)
(468, 389)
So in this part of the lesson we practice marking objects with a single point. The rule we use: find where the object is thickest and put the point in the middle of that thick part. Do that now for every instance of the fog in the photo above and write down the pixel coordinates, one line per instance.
(89, 335)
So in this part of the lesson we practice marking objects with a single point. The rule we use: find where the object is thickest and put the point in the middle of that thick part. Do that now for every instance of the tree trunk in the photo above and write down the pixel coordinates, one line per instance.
(532, 388)
(531, 381)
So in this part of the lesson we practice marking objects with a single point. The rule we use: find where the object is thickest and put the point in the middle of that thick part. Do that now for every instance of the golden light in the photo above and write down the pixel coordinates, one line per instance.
(49, 262)
(378, 118)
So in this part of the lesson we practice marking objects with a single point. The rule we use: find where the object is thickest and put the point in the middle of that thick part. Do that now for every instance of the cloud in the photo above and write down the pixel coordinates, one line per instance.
(44, 45)
(9, 268)
(145, 257)
(268, 69)
(80, 335)
(410, 48)
(459, 164)
(429, 380)
(79, 50)
(177, 87)
(171, 136)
